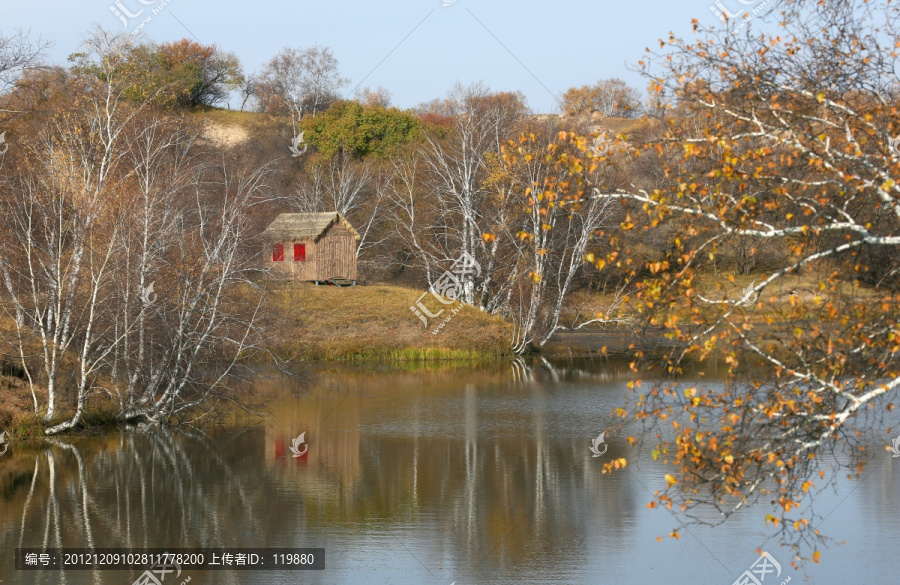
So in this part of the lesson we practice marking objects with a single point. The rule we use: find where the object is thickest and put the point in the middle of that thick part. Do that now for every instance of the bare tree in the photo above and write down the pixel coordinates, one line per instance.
(248, 89)
(459, 202)
(108, 200)
(379, 96)
(465, 210)
(299, 81)
(337, 183)
(410, 216)
(609, 97)
(186, 339)
(343, 184)
(56, 268)
(17, 52)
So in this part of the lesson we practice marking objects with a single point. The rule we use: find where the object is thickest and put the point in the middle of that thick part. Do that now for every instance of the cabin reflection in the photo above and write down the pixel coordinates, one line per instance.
(498, 481)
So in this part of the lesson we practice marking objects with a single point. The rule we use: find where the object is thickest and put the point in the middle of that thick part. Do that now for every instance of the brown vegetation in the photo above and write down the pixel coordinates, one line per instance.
(776, 170)
(313, 323)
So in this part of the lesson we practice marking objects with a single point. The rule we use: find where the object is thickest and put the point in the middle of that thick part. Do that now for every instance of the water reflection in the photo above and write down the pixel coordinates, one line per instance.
(150, 487)
(468, 475)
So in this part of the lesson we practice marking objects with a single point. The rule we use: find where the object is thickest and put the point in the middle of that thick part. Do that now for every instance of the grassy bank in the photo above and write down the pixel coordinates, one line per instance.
(307, 323)
(374, 323)
(16, 404)
(17, 410)
(773, 305)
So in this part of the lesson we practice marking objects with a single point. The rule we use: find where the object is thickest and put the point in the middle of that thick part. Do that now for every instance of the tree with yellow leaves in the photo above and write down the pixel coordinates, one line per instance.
(784, 140)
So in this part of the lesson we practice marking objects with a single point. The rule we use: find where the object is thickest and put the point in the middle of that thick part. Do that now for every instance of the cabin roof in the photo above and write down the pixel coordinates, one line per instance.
(305, 226)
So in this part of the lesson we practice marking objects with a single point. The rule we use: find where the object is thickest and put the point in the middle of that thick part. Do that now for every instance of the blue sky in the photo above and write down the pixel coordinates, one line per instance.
(540, 48)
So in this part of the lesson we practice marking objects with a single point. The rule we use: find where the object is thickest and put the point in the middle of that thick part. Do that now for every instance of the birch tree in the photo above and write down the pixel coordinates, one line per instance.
(299, 81)
(481, 123)
(185, 340)
(18, 52)
(109, 200)
(56, 265)
(551, 239)
(608, 97)
(787, 139)
(347, 186)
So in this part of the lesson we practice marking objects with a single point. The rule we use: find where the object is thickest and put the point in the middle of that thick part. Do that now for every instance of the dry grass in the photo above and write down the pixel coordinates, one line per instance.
(803, 288)
(17, 409)
(362, 323)
(16, 405)
(224, 117)
(374, 323)
(584, 305)
(614, 125)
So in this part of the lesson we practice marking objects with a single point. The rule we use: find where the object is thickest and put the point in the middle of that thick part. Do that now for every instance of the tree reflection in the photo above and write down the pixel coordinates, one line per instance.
(476, 469)
(143, 488)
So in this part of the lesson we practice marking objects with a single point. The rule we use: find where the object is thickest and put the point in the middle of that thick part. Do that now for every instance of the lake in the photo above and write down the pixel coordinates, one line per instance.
(465, 474)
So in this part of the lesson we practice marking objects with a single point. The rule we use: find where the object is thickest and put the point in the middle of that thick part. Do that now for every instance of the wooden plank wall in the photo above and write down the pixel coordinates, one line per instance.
(337, 254)
(302, 271)
(334, 256)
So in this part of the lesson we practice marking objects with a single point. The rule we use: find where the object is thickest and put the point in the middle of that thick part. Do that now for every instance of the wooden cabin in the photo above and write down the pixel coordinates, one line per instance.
(311, 247)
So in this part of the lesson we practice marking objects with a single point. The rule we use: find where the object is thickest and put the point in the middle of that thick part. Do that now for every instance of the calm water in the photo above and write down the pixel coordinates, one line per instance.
(462, 475)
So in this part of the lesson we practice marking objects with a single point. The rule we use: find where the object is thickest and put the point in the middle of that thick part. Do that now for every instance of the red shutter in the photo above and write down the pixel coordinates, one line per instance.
(278, 253)
(299, 252)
